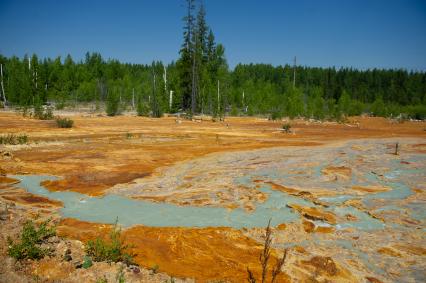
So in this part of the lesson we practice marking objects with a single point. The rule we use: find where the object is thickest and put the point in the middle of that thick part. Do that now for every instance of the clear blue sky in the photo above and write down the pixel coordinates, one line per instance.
(352, 33)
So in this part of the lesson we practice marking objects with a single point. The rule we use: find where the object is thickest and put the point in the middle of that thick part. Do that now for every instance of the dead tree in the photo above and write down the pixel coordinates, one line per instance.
(2, 86)
(264, 259)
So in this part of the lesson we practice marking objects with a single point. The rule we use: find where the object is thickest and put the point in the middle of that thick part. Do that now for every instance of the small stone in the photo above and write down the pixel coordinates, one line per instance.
(67, 257)
(135, 269)
(53, 240)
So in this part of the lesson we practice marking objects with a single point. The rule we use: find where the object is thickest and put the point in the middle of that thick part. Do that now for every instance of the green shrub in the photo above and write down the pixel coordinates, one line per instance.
(32, 236)
(235, 111)
(114, 250)
(276, 115)
(142, 109)
(102, 280)
(286, 127)
(64, 122)
(119, 277)
(43, 114)
(13, 139)
(112, 105)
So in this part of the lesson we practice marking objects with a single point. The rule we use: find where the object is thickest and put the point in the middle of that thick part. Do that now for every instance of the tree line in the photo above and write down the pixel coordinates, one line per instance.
(200, 81)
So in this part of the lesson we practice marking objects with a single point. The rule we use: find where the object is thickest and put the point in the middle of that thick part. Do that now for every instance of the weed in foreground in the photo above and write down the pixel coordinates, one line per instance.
(113, 250)
(13, 139)
(64, 122)
(29, 245)
(264, 260)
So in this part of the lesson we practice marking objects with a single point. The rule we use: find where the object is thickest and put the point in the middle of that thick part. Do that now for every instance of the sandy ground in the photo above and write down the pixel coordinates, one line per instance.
(102, 152)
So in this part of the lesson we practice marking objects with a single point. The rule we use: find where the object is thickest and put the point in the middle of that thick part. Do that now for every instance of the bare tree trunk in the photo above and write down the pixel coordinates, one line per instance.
(165, 80)
(171, 100)
(2, 86)
(193, 84)
(133, 98)
(218, 97)
(294, 73)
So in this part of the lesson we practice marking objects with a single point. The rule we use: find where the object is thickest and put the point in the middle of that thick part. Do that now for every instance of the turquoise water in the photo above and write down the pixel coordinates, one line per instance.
(131, 212)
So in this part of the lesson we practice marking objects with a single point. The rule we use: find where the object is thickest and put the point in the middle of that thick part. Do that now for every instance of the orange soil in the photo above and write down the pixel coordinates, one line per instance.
(341, 171)
(370, 189)
(95, 154)
(314, 213)
(204, 254)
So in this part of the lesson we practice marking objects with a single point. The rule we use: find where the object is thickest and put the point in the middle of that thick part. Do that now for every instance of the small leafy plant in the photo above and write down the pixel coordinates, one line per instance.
(43, 114)
(13, 139)
(29, 245)
(64, 122)
(114, 250)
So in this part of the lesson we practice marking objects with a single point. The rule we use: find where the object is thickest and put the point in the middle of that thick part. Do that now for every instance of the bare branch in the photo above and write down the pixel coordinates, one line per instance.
(277, 269)
(266, 254)
(250, 278)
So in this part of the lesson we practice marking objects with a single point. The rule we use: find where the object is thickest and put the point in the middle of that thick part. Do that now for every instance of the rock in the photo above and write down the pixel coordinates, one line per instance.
(324, 229)
(67, 257)
(281, 226)
(299, 249)
(135, 269)
(323, 265)
(313, 213)
(78, 264)
(351, 217)
(308, 226)
(389, 251)
(53, 240)
(335, 171)
(373, 280)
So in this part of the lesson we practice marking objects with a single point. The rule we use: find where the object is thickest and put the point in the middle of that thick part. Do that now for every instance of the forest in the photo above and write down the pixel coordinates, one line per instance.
(201, 82)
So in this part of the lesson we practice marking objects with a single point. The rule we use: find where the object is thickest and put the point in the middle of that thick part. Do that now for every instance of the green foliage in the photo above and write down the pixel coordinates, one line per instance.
(344, 104)
(276, 115)
(87, 262)
(102, 280)
(43, 114)
(29, 245)
(234, 111)
(142, 109)
(415, 111)
(378, 107)
(113, 104)
(13, 139)
(64, 122)
(119, 277)
(114, 250)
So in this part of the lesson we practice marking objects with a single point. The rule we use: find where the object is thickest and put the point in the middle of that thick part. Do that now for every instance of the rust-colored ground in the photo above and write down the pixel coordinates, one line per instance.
(100, 152)
(204, 254)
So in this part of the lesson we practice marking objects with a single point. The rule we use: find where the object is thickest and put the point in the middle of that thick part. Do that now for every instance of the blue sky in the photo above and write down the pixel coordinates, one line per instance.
(359, 33)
